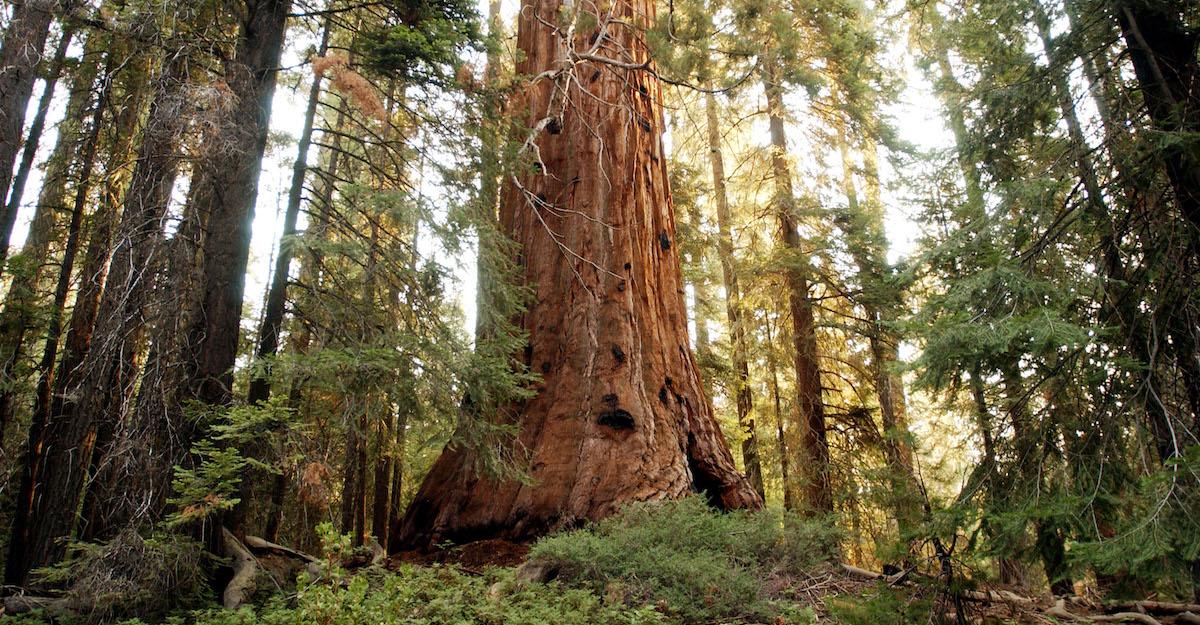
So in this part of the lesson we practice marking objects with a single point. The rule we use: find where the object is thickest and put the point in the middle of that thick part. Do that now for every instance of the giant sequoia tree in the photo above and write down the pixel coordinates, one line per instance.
(620, 414)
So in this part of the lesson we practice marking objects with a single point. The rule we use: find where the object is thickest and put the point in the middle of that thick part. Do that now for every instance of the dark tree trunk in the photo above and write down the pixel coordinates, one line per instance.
(1163, 52)
(383, 475)
(100, 389)
(20, 54)
(221, 204)
(22, 296)
(621, 414)
(226, 189)
(396, 492)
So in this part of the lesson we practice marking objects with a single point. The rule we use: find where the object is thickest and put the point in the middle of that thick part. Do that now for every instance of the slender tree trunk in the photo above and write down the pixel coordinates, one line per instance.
(106, 375)
(349, 473)
(38, 125)
(780, 434)
(381, 496)
(733, 299)
(620, 414)
(397, 488)
(20, 55)
(700, 290)
(863, 224)
(809, 400)
(310, 278)
(21, 300)
(272, 321)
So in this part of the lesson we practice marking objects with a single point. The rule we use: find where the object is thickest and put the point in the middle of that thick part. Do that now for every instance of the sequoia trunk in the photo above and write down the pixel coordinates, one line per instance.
(621, 414)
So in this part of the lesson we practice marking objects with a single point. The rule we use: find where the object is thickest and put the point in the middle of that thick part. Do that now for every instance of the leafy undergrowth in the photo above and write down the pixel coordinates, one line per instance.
(676, 563)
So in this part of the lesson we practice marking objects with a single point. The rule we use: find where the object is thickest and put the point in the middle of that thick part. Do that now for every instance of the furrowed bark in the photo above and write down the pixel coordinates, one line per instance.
(98, 394)
(621, 414)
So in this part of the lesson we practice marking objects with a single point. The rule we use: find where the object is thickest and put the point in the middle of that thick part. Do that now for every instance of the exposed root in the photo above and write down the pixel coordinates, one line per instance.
(245, 572)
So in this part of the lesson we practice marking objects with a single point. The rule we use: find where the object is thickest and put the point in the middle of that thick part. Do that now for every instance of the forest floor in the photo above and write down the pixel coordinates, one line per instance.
(676, 563)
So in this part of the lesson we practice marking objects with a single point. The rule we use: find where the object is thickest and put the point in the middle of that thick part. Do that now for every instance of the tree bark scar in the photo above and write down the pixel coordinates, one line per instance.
(615, 417)
(664, 240)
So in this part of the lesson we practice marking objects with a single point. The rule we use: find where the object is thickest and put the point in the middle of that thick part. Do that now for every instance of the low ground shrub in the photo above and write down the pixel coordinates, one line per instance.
(697, 564)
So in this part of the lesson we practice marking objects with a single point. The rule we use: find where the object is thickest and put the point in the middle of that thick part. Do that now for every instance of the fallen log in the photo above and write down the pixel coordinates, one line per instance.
(998, 596)
(1153, 607)
(21, 604)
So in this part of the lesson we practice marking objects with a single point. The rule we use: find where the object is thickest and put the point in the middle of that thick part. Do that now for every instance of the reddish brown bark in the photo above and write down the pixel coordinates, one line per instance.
(620, 414)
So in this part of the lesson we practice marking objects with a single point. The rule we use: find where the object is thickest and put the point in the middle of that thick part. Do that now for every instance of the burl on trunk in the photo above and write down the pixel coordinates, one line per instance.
(620, 415)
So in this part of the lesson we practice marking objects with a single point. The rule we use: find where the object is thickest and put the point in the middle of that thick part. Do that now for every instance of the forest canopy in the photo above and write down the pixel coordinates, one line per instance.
(694, 308)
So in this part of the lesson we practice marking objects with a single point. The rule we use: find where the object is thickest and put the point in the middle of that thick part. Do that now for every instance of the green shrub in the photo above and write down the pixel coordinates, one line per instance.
(888, 606)
(431, 596)
(700, 565)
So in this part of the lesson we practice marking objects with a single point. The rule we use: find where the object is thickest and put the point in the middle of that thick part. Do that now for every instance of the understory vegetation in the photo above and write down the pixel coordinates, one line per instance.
(667, 563)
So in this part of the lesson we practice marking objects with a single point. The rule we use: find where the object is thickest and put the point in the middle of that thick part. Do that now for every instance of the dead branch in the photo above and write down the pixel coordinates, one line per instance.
(258, 544)
(1060, 611)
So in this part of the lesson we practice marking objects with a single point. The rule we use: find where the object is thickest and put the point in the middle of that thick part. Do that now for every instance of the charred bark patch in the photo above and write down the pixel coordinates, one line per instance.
(662, 396)
(664, 241)
(616, 419)
(554, 127)
(595, 75)
(545, 367)
(628, 266)
(618, 355)
(645, 124)
(621, 286)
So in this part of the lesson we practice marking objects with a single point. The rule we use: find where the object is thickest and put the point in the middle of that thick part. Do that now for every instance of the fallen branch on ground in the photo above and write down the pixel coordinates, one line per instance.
(259, 544)
(1060, 611)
